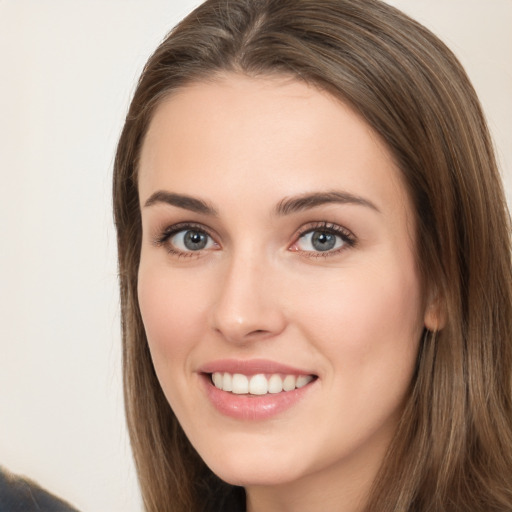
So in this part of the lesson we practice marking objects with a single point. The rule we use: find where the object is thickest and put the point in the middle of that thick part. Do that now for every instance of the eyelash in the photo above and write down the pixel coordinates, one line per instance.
(169, 232)
(346, 236)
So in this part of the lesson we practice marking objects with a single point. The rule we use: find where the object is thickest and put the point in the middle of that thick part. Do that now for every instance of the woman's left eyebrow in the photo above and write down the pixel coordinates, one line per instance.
(311, 200)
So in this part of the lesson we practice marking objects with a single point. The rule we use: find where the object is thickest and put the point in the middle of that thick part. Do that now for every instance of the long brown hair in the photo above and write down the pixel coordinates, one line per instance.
(453, 448)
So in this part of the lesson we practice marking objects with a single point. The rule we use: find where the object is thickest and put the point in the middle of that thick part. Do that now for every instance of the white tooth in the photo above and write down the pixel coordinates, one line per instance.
(302, 380)
(258, 385)
(240, 384)
(289, 383)
(227, 384)
(275, 384)
(217, 380)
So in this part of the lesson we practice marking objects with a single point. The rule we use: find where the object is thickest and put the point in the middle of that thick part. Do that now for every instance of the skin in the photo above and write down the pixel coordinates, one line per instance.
(352, 316)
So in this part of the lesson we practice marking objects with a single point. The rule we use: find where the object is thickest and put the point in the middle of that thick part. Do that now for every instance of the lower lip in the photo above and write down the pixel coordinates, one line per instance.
(254, 407)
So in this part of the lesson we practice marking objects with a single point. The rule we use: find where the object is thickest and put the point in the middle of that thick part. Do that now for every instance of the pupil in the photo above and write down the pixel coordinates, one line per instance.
(323, 241)
(195, 240)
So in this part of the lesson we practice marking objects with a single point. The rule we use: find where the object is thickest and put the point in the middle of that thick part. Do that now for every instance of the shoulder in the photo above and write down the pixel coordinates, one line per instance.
(21, 495)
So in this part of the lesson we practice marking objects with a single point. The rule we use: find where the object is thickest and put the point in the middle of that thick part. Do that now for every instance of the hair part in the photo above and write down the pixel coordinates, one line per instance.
(453, 447)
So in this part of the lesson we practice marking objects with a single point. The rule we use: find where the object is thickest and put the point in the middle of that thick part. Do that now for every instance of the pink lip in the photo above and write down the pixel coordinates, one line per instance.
(252, 407)
(251, 367)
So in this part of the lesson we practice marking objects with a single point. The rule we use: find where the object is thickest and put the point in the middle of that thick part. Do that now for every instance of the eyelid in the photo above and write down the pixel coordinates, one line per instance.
(165, 234)
(349, 239)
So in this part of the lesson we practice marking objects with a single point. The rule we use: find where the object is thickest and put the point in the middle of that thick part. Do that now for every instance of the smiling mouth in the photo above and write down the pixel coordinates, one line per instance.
(259, 384)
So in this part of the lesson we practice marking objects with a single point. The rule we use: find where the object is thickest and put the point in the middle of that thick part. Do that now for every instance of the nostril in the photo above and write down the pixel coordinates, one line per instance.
(254, 325)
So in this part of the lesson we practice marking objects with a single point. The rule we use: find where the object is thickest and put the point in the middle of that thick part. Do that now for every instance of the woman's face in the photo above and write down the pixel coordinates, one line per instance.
(278, 261)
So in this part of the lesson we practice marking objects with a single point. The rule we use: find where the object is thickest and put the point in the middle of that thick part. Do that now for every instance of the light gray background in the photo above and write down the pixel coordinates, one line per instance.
(67, 72)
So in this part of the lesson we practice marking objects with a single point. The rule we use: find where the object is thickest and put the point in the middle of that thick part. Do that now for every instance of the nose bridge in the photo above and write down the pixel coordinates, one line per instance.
(247, 305)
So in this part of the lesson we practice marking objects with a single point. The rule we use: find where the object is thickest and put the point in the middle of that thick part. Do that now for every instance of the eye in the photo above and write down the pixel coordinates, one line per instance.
(186, 240)
(326, 239)
(320, 241)
(191, 240)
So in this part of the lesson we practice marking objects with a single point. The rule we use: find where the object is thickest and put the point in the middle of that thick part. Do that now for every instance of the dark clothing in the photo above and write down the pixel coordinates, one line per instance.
(21, 495)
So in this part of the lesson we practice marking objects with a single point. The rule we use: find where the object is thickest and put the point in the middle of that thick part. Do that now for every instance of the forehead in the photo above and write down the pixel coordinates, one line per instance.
(268, 134)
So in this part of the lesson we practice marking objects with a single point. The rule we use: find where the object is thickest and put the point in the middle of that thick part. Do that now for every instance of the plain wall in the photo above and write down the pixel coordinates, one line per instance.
(67, 72)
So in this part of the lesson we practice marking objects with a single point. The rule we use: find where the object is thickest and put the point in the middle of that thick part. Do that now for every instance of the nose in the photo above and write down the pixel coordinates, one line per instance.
(248, 305)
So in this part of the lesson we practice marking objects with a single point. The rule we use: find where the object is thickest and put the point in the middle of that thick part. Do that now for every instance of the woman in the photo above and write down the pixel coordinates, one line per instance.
(314, 254)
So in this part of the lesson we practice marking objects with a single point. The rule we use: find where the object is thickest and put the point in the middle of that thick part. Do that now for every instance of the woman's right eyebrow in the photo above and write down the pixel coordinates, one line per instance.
(181, 201)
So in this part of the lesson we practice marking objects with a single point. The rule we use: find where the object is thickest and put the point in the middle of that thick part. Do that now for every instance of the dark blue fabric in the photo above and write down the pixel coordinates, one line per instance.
(20, 495)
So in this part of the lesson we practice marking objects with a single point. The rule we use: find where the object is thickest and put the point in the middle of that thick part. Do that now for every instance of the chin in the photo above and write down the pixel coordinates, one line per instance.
(254, 469)
(248, 477)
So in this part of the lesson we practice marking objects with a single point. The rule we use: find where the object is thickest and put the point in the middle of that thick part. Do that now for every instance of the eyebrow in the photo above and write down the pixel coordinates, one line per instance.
(307, 201)
(181, 201)
(285, 207)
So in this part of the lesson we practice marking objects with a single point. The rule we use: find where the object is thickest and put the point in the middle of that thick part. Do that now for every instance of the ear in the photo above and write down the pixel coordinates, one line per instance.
(435, 312)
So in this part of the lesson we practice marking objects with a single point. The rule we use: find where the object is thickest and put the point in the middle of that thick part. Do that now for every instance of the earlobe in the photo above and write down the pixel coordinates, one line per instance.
(435, 314)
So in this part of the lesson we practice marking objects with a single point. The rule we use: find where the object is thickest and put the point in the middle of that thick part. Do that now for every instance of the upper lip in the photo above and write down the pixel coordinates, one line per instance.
(251, 367)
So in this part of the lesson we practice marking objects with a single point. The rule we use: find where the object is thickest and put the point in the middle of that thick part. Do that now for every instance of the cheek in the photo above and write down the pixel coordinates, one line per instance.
(367, 319)
(171, 315)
